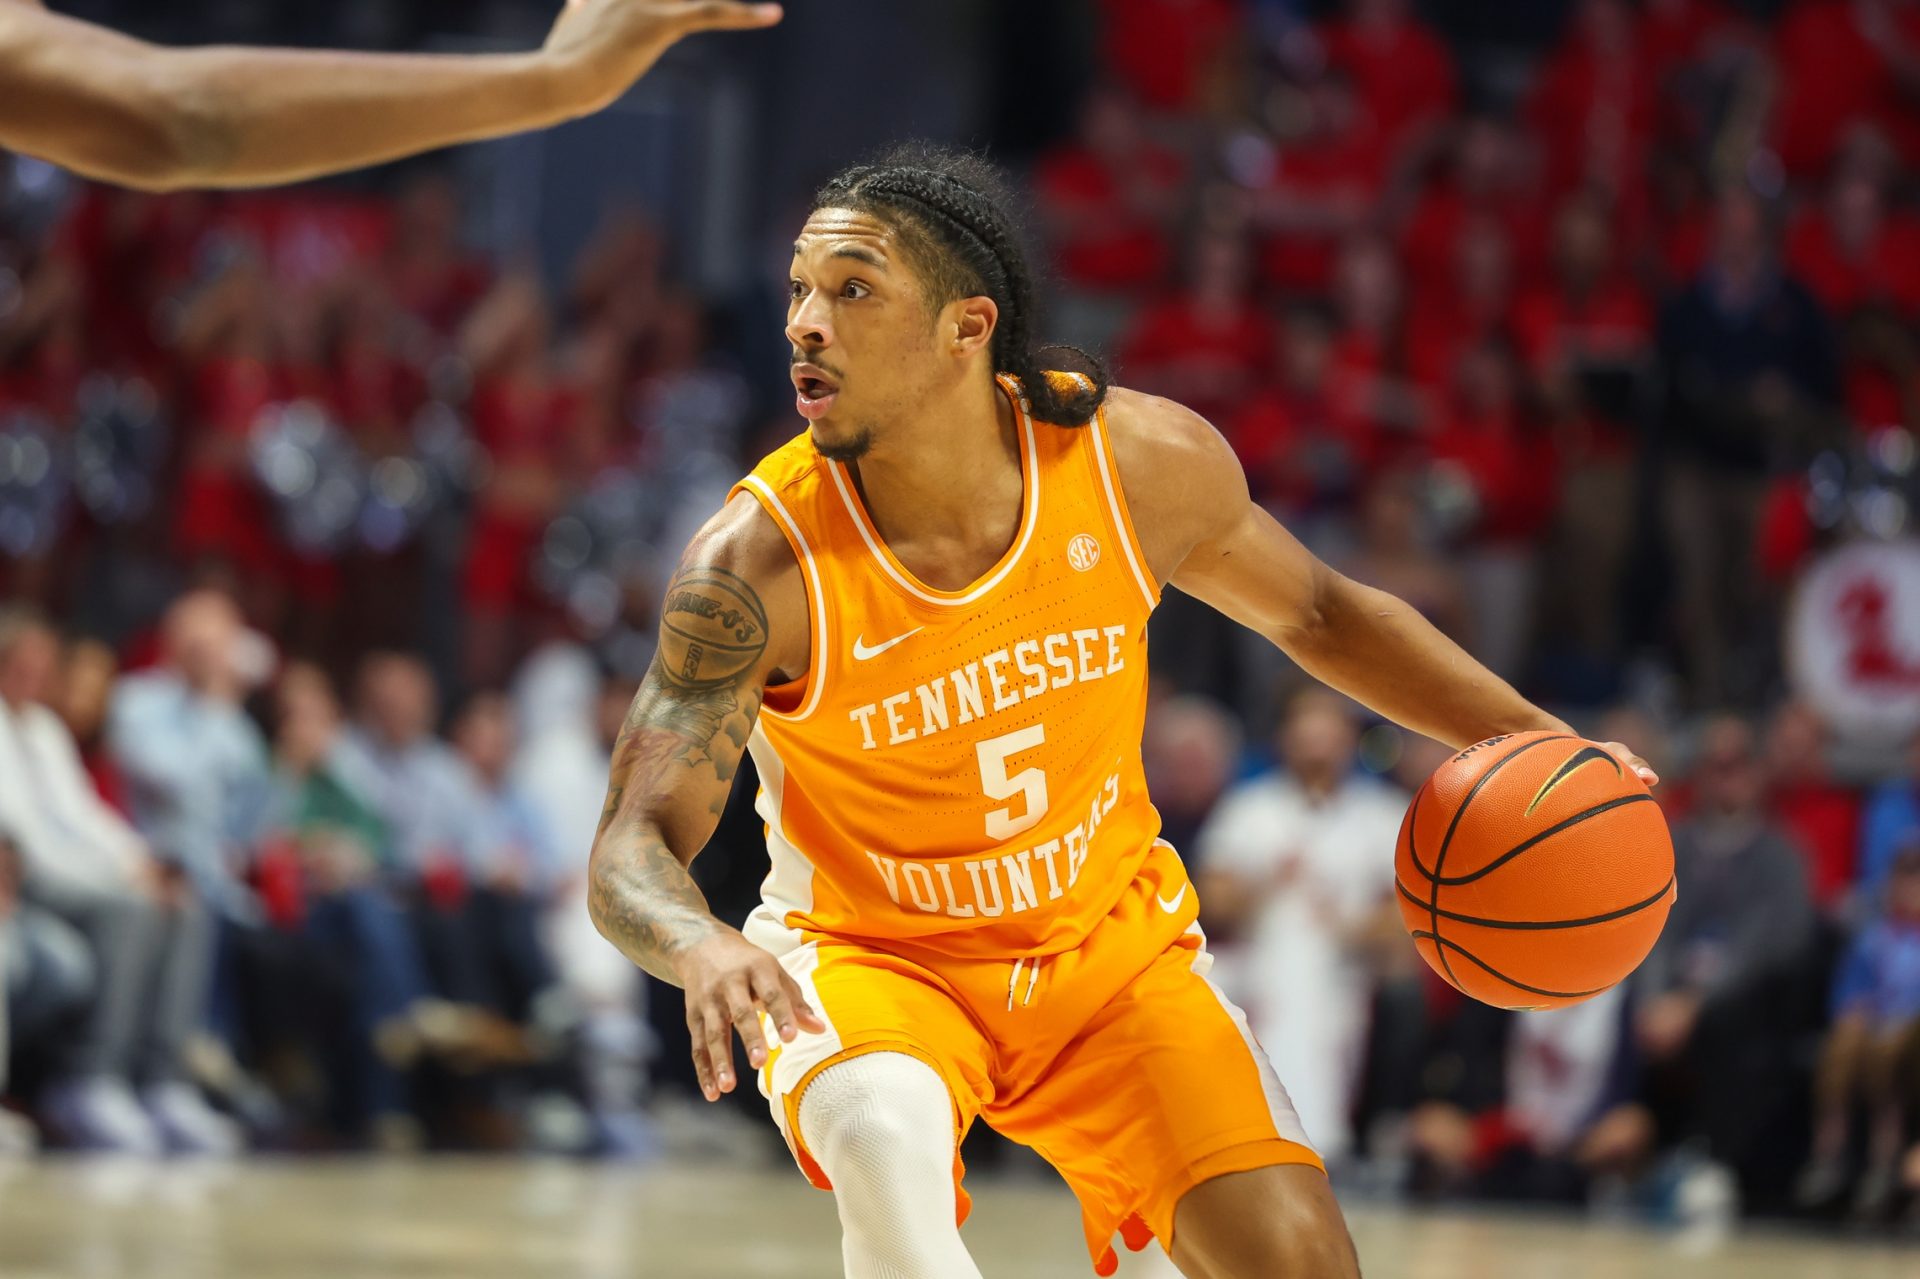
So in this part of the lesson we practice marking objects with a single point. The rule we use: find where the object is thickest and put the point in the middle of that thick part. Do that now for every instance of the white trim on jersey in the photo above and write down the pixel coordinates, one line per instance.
(1029, 522)
(816, 602)
(1286, 1122)
(1099, 428)
(788, 887)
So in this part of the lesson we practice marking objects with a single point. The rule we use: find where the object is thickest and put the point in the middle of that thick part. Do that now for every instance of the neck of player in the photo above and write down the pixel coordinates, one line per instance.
(945, 489)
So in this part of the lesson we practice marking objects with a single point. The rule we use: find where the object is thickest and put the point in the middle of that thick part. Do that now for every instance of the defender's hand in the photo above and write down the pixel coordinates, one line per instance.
(599, 47)
(729, 983)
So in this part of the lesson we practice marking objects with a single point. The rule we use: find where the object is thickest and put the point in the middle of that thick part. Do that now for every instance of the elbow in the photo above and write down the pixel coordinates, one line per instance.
(196, 146)
(179, 132)
(597, 896)
(1311, 625)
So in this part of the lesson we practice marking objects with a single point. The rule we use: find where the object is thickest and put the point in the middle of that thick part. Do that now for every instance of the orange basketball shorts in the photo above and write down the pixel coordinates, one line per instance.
(1118, 1061)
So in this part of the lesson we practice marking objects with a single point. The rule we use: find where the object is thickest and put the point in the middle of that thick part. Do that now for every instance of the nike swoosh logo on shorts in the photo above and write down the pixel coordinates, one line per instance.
(861, 651)
(1171, 906)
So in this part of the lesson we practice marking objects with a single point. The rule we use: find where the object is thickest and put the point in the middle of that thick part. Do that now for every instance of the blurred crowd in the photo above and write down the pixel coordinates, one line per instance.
(332, 919)
(1583, 353)
(1767, 1053)
(331, 549)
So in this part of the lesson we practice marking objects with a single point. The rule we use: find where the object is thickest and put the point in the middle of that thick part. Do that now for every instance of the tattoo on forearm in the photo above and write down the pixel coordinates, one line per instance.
(683, 736)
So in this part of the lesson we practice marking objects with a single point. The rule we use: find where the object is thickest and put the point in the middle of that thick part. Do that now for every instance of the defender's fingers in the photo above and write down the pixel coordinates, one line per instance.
(714, 15)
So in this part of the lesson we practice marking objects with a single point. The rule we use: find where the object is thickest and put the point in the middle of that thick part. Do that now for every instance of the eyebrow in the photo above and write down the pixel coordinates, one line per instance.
(853, 251)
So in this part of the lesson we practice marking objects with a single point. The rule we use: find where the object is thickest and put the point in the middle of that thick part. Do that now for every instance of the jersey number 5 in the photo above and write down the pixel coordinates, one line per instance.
(1002, 824)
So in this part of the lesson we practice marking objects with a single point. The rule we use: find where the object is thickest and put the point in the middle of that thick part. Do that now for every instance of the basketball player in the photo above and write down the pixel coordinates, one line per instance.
(121, 110)
(926, 617)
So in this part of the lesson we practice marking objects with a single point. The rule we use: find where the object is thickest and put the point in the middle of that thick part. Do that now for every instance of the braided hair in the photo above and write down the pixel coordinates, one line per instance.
(954, 214)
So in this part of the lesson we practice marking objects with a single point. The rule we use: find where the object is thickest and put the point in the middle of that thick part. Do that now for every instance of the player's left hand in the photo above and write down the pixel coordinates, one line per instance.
(599, 47)
(1624, 753)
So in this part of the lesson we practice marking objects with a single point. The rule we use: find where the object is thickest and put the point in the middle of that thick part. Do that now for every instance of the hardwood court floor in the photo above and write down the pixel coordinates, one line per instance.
(524, 1219)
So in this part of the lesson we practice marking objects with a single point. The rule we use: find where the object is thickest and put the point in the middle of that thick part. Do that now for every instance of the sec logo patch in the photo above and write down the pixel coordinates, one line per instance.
(1083, 552)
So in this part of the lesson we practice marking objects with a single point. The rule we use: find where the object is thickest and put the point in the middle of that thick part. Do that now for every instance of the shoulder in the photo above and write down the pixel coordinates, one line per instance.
(141, 689)
(743, 540)
(742, 567)
(1152, 431)
(793, 466)
(43, 723)
(1183, 483)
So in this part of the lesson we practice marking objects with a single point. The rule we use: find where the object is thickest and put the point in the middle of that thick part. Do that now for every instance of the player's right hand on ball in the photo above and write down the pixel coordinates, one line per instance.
(599, 47)
(729, 983)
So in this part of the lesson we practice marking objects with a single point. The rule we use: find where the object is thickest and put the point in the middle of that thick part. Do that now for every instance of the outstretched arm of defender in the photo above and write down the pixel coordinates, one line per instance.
(1203, 532)
(673, 768)
(126, 111)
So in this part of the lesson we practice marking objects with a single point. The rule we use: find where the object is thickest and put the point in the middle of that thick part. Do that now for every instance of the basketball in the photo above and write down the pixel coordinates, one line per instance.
(719, 625)
(1534, 870)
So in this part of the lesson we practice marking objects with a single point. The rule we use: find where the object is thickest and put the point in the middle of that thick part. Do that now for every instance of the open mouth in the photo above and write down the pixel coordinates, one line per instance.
(816, 391)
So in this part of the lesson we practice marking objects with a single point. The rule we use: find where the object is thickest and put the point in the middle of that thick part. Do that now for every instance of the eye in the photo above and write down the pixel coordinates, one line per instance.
(854, 289)
(795, 289)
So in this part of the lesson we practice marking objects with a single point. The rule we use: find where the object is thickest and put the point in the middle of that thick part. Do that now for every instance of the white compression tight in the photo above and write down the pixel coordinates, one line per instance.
(881, 1125)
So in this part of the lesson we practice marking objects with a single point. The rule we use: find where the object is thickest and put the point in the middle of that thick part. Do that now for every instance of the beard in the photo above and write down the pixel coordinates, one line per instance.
(851, 449)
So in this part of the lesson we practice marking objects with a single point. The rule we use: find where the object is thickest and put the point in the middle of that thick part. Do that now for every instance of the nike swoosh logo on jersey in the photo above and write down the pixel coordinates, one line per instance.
(861, 651)
(1171, 906)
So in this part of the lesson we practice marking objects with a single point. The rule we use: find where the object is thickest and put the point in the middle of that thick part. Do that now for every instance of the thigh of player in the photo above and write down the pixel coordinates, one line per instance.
(1167, 1120)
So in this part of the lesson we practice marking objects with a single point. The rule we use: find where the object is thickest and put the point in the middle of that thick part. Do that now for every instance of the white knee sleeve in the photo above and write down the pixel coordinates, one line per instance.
(881, 1126)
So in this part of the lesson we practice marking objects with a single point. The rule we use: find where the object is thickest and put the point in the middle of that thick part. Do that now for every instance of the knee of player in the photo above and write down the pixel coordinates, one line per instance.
(1306, 1247)
(1292, 1240)
(878, 1111)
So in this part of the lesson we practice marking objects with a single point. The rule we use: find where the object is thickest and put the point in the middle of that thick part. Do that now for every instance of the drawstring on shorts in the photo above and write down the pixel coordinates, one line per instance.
(1013, 981)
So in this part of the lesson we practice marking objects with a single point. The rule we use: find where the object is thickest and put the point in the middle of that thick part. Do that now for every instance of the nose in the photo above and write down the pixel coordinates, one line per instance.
(807, 327)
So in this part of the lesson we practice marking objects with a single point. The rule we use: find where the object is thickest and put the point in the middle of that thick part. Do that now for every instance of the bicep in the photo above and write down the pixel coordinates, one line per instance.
(1257, 573)
(1199, 525)
(734, 618)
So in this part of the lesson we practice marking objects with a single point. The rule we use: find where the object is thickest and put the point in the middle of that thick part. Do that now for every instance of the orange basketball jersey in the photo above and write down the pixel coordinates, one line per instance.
(959, 769)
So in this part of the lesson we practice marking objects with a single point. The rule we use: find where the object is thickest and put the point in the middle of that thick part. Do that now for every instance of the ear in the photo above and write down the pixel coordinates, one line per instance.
(970, 323)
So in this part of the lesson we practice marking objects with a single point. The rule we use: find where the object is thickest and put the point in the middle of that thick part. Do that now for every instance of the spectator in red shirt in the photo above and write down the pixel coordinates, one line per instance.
(1499, 474)
(372, 389)
(1404, 72)
(1676, 32)
(1486, 176)
(228, 347)
(1476, 308)
(1108, 199)
(1585, 337)
(1207, 344)
(1322, 183)
(1164, 49)
(427, 266)
(521, 412)
(1303, 454)
(1851, 250)
(1369, 379)
(1594, 104)
(1841, 62)
(1698, 52)
(1822, 816)
(1589, 322)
